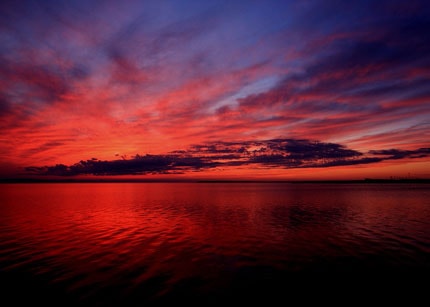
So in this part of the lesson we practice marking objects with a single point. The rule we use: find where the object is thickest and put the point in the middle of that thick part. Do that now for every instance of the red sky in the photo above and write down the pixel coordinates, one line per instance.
(225, 90)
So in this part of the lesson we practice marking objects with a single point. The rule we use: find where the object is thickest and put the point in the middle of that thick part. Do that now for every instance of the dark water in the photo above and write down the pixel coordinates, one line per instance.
(115, 244)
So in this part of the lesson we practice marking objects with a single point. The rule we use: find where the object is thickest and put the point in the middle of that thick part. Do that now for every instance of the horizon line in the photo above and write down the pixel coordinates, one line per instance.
(164, 180)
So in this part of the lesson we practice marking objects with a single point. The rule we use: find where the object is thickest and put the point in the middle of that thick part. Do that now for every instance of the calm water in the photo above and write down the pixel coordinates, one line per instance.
(105, 244)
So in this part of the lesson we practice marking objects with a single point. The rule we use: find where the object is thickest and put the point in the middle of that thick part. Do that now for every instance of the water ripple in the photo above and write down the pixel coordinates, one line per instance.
(101, 244)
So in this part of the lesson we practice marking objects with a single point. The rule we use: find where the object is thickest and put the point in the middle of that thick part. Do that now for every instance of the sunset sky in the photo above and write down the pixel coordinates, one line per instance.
(215, 89)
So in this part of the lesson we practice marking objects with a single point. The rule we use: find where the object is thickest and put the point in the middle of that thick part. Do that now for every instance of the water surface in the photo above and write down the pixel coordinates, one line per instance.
(117, 244)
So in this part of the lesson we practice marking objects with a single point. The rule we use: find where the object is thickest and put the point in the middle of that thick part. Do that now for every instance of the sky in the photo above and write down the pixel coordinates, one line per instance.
(215, 89)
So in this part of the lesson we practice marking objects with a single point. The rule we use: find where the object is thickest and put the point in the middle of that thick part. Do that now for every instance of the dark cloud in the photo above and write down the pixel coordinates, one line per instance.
(148, 164)
(394, 154)
(304, 149)
(342, 162)
(275, 153)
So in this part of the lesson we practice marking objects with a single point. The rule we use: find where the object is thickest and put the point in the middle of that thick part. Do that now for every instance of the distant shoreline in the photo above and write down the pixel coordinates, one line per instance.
(366, 180)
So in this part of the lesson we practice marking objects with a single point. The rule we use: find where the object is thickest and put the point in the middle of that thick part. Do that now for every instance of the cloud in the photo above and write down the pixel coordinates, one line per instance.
(395, 154)
(275, 153)
(155, 77)
(354, 82)
(148, 164)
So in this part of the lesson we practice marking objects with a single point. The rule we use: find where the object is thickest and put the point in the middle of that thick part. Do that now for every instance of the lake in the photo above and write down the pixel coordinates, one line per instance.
(115, 244)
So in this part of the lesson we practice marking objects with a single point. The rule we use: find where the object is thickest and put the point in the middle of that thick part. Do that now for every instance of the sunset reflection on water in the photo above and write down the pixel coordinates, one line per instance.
(153, 242)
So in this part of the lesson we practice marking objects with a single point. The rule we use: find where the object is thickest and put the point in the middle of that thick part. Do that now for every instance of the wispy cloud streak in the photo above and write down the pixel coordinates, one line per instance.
(100, 79)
